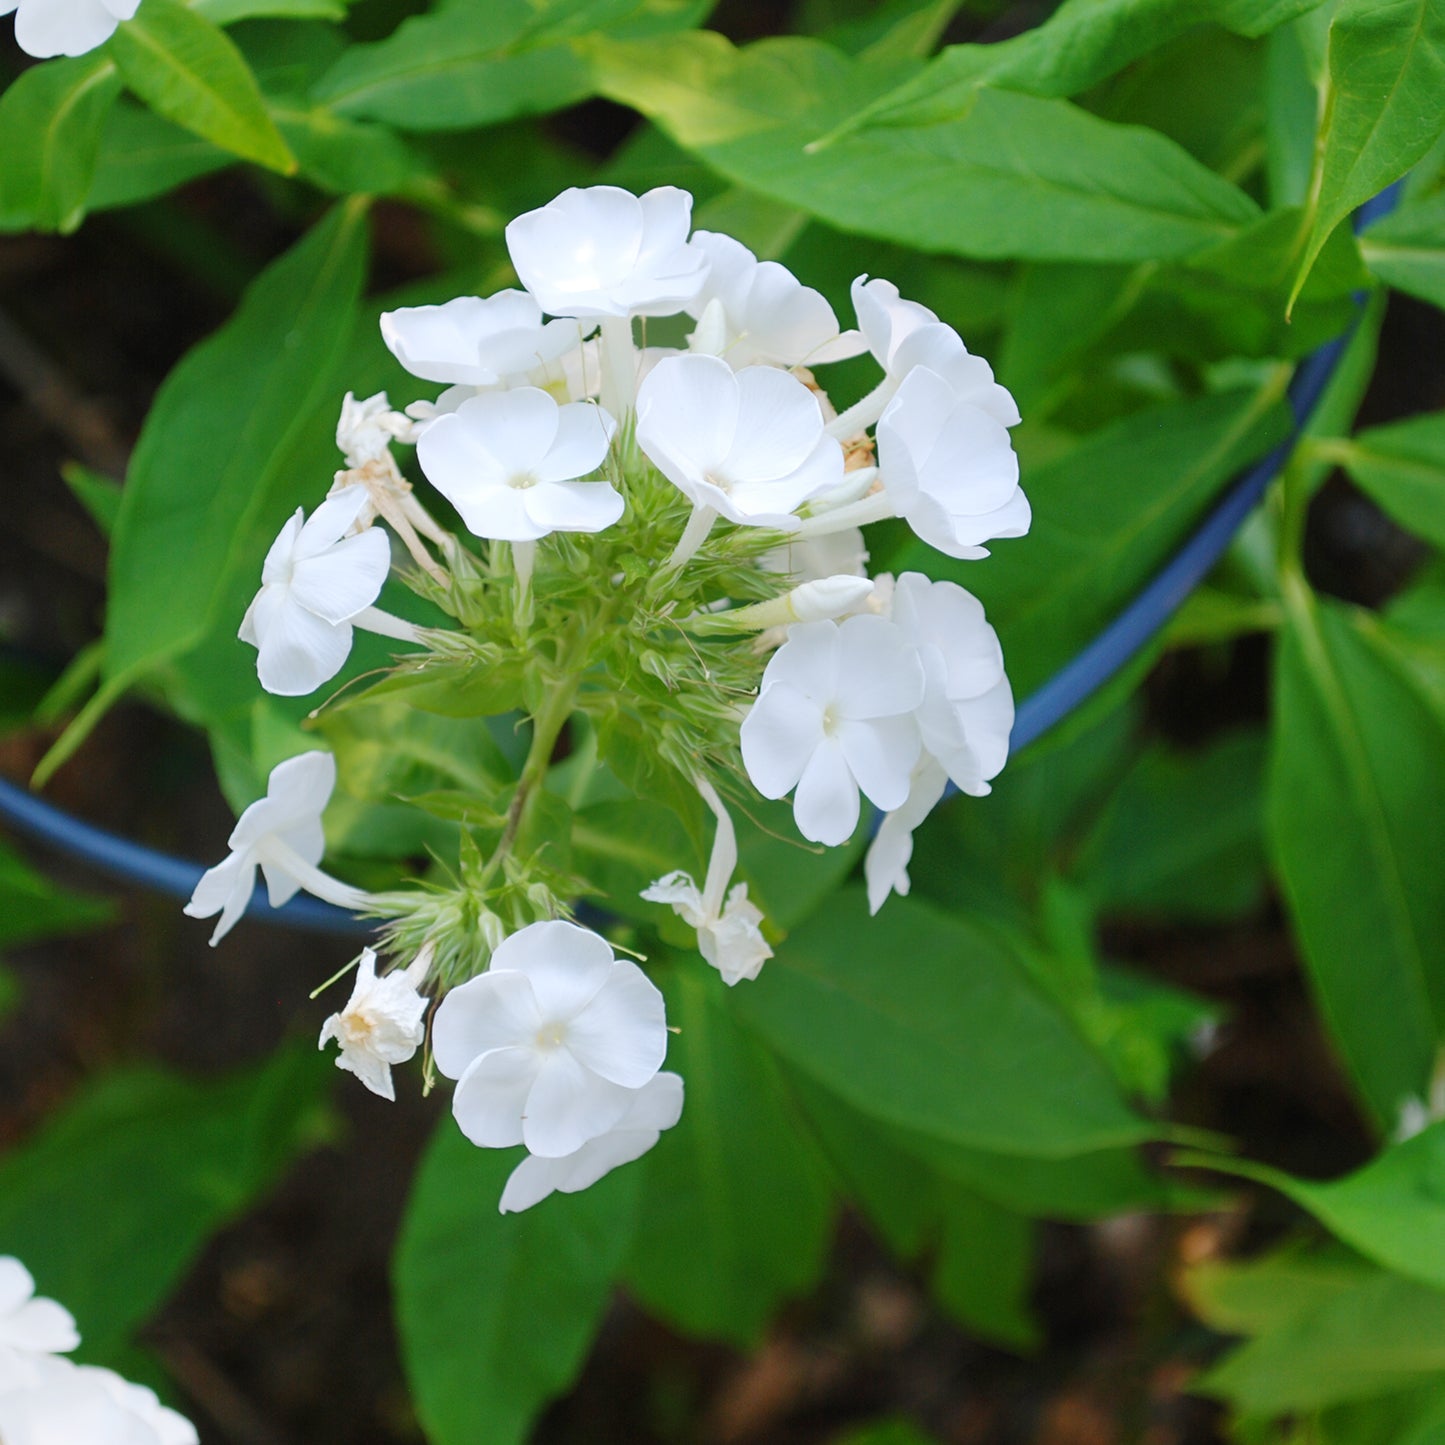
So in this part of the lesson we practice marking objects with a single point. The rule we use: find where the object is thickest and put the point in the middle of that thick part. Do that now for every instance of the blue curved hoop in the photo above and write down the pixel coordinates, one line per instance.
(1071, 685)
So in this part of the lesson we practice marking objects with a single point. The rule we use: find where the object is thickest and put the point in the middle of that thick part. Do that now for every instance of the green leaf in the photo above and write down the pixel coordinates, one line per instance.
(1407, 249)
(238, 435)
(31, 907)
(99, 495)
(1386, 74)
(477, 62)
(984, 1268)
(896, 1431)
(51, 117)
(143, 156)
(496, 1312)
(187, 70)
(227, 12)
(1356, 792)
(1106, 514)
(1402, 466)
(109, 1205)
(1014, 176)
(881, 1011)
(736, 1213)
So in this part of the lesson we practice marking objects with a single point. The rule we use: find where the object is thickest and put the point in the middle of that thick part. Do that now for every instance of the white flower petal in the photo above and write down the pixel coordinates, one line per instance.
(338, 583)
(572, 506)
(568, 1105)
(782, 730)
(564, 964)
(491, 1096)
(687, 412)
(299, 651)
(44, 28)
(621, 1033)
(583, 434)
(879, 674)
(886, 866)
(496, 1010)
(825, 805)
(881, 754)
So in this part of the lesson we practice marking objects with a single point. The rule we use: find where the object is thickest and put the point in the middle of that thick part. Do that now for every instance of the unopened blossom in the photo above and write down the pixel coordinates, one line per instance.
(509, 461)
(63, 1403)
(314, 583)
(807, 559)
(65, 27)
(835, 715)
(600, 251)
(949, 468)
(967, 711)
(477, 341)
(550, 1044)
(752, 312)
(885, 869)
(31, 1326)
(281, 833)
(747, 445)
(727, 923)
(656, 1106)
(381, 1024)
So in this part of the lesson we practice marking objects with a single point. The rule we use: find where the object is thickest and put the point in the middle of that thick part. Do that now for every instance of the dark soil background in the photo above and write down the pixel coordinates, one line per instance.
(281, 1334)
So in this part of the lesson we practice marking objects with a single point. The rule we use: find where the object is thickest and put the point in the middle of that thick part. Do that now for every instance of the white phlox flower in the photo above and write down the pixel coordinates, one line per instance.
(550, 1045)
(44, 28)
(656, 1106)
(967, 711)
(727, 924)
(63, 1403)
(381, 1024)
(835, 714)
(746, 445)
(600, 251)
(477, 341)
(281, 833)
(317, 583)
(366, 429)
(757, 312)
(31, 1326)
(885, 869)
(949, 468)
(509, 461)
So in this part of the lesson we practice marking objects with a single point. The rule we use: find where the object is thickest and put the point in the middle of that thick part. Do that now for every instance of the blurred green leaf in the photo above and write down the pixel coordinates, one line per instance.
(227, 12)
(1402, 467)
(32, 907)
(187, 70)
(922, 1020)
(1014, 176)
(496, 1312)
(111, 1202)
(99, 495)
(1356, 793)
(735, 1214)
(52, 116)
(143, 156)
(885, 1432)
(1406, 249)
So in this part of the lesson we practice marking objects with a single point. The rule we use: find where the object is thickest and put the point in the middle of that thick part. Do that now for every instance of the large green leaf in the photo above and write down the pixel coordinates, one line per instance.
(1106, 515)
(142, 156)
(735, 1213)
(1382, 107)
(1014, 176)
(496, 1312)
(1402, 466)
(32, 907)
(1356, 795)
(239, 435)
(476, 62)
(1407, 249)
(109, 1205)
(923, 1021)
(190, 72)
(52, 117)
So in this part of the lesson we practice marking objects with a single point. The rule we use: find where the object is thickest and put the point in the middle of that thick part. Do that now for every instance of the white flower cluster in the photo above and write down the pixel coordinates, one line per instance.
(720, 458)
(46, 1399)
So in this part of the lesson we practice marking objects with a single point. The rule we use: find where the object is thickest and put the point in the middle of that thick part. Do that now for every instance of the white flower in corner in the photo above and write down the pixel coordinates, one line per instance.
(381, 1024)
(281, 833)
(550, 1044)
(656, 1106)
(752, 311)
(68, 1404)
(601, 251)
(885, 869)
(315, 582)
(747, 445)
(728, 936)
(475, 340)
(31, 1326)
(44, 28)
(949, 468)
(508, 462)
(835, 714)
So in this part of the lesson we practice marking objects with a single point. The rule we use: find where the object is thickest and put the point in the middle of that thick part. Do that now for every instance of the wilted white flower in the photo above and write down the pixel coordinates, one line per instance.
(475, 340)
(656, 1106)
(549, 1045)
(282, 834)
(601, 251)
(63, 1403)
(949, 468)
(508, 462)
(381, 1024)
(314, 583)
(835, 715)
(885, 869)
(727, 924)
(65, 27)
(366, 429)
(752, 311)
(747, 445)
